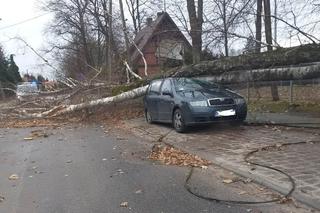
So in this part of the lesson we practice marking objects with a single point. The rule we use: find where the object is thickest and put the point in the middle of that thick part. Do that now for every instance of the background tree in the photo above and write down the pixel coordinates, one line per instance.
(225, 19)
(196, 22)
(9, 71)
(13, 70)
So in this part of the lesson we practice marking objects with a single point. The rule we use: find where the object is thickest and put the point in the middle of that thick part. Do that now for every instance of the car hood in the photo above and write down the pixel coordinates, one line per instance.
(205, 94)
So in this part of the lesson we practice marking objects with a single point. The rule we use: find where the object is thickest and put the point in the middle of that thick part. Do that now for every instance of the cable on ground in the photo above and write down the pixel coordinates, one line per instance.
(246, 159)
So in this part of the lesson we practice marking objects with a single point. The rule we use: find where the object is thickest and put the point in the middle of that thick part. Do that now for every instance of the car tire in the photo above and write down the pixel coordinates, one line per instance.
(148, 117)
(239, 121)
(178, 121)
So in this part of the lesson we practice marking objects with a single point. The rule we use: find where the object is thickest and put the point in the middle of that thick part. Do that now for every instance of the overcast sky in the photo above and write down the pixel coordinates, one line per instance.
(14, 12)
(24, 18)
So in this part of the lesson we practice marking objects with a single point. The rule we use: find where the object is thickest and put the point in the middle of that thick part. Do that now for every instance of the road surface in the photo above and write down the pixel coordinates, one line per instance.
(84, 170)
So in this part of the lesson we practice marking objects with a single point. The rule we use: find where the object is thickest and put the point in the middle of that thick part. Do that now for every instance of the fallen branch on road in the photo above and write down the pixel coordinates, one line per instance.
(63, 109)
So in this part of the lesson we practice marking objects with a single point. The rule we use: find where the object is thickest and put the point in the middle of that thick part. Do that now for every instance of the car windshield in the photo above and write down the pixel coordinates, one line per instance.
(187, 84)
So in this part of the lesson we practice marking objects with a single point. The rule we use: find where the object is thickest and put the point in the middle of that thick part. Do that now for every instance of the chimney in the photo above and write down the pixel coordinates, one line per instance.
(149, 21)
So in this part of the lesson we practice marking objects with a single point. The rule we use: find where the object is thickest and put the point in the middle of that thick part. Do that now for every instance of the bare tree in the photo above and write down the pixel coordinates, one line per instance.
(70, 27)
(226, 18)
(134, 9)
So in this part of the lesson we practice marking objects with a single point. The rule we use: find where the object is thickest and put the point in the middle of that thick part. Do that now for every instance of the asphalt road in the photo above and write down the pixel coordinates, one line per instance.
(84, 170)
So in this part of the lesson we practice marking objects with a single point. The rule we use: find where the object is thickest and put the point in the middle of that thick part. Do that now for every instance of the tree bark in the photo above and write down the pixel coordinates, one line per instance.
(64, 109)
(196, 21)
(138, 15)
(225, 29)
(124, 26)
(2, 92)
(309, 71)
(258, 26)
(268, 29)
(277, 58)
(110, 35)
(267, 21)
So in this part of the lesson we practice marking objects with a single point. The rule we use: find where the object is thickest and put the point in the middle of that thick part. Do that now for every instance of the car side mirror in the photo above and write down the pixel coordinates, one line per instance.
(167, 93)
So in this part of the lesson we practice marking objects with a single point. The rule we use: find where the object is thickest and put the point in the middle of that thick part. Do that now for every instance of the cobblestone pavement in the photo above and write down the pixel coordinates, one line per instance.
(301, 161)
(227, 146)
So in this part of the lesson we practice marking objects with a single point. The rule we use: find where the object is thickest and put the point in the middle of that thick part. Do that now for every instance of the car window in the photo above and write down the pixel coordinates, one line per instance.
(166, 86)
(155, 87)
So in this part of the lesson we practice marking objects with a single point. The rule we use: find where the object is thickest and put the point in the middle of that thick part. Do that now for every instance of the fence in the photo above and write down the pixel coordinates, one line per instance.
(293, 92)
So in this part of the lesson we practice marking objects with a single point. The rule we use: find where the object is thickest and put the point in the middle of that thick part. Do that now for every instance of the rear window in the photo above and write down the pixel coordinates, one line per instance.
(155, 87)
(25, 89)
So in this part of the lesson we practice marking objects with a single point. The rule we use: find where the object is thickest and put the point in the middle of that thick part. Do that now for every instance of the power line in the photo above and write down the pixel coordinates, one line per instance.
(24, 21)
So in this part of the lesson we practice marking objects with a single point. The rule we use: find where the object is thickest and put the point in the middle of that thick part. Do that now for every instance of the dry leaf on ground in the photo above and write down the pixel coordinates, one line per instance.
(227, 181)
(172, 156)
(28, 138)
(14, 177)
(124, 204)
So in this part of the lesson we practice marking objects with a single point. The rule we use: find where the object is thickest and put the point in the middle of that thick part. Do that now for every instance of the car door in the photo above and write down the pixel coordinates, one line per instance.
(153, 98)
(166, 102)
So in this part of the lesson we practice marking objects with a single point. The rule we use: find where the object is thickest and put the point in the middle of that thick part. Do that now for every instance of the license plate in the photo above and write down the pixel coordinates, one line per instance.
(224, 113)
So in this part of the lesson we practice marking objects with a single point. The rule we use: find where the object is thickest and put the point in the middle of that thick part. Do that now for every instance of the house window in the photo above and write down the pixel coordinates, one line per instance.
(170, 49)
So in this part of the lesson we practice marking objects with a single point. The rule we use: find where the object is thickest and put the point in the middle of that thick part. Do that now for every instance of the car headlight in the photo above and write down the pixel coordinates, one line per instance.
(239, 101)
(199, 103)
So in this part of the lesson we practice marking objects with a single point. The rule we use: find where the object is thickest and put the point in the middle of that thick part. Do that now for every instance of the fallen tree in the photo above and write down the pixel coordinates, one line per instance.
(282, 64)
(63, 109)
(306, 71)
(281, 57)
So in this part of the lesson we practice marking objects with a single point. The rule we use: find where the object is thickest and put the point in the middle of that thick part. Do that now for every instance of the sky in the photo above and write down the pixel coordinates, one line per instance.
(25, 19)
(13, 12)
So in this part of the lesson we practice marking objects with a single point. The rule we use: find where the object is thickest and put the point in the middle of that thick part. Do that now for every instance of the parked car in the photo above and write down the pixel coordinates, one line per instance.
(189, 101)
(27, 91)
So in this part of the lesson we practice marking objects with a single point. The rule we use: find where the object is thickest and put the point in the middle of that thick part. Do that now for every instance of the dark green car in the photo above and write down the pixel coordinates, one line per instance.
(189, 101)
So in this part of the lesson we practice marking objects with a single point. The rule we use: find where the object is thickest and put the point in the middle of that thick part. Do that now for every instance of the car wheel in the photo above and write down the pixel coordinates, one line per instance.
(148, 117)
(178, 121)
(238, 122)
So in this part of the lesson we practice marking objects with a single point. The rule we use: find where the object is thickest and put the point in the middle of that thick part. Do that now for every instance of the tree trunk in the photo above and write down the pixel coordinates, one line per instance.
(110, 35)
(124, 26)
(138, 15)
(278, 58)
(196, 21)
(2, 92)
(268, 29)
(309, 71)
(267, 21)
(258, 26)
(64, 109)
(225, 29)
(275, 37)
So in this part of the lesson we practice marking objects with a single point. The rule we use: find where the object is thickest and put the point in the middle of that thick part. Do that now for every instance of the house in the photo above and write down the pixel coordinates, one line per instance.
(162, 44)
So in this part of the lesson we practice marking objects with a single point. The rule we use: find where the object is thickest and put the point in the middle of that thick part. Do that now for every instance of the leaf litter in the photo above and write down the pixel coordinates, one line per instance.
(169, 155)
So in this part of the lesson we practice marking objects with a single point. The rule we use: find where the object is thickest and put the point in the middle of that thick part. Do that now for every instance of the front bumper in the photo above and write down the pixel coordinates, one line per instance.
(206, 115)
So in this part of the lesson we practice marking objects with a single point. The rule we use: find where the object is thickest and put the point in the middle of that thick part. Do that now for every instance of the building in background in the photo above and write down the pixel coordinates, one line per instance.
(163, 45)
